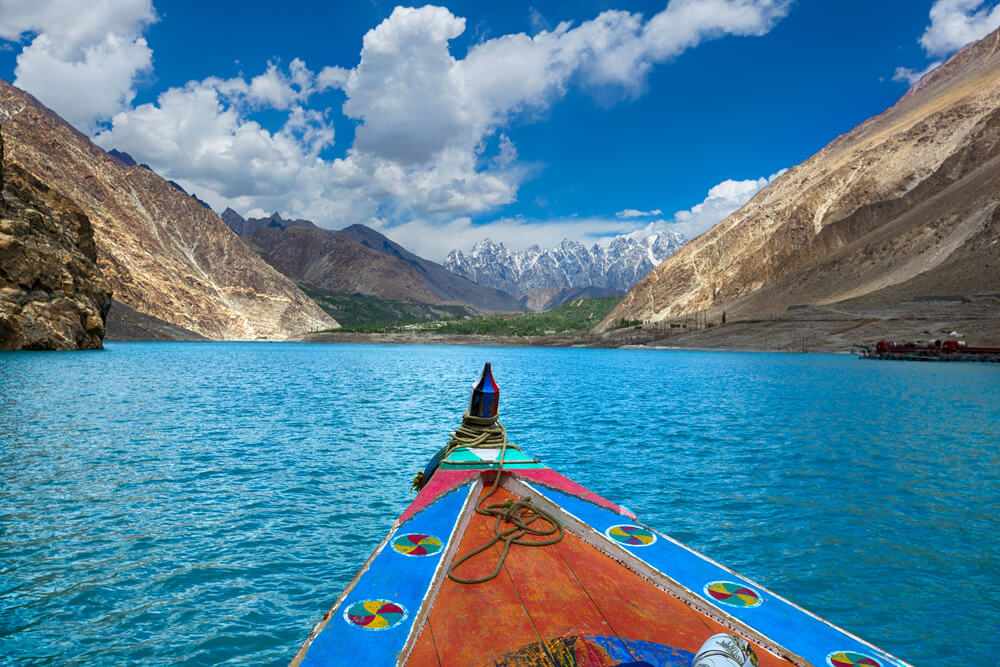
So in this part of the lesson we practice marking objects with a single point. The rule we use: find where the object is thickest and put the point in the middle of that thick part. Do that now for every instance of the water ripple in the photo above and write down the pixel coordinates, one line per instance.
(198, 504)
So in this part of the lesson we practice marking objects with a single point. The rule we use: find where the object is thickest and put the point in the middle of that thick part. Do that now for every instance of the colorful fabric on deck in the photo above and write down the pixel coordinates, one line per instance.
(597, 651)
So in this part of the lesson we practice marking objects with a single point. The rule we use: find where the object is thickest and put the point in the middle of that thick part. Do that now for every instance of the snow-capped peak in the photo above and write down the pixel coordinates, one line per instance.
(617, 263)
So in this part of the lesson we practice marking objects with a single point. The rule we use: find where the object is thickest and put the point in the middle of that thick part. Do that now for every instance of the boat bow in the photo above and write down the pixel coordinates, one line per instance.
(610, 591)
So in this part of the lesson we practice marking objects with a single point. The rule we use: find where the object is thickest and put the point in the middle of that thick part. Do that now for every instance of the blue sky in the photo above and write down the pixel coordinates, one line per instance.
(478, 119)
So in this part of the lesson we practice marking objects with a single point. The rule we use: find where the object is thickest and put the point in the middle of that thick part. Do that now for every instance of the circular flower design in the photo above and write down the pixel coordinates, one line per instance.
(375, 614)
(417, 544)
(733, 594)
(631, 536)
(851, 659)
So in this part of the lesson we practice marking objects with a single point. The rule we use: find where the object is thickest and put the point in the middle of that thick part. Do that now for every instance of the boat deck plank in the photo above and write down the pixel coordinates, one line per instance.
(550, 591)
(492, 613)
(546, 593)
(425, 653)
(636, 608)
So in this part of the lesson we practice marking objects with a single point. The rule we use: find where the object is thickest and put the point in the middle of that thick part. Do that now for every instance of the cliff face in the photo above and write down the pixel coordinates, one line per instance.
(161, 251)
(903, 207)
(360, 260)
(52, 294)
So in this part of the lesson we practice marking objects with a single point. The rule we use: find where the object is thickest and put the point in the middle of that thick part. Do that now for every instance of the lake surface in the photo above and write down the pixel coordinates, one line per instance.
(172, 503)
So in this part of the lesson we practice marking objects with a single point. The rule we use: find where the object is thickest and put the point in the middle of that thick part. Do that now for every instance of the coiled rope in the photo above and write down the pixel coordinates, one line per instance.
(482, 432)
(515, 519)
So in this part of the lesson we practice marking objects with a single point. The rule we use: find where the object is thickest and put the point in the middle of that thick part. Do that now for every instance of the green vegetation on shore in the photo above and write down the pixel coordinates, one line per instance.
(358, 314)
(572, 317)
(370, 314)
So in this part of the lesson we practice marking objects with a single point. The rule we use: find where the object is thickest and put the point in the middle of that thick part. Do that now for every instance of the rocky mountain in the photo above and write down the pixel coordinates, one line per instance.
(52, 294)
(577, 293)
(128, 161)
(123, 157)
(360, 260)
(904, 208)
(541, 276)
(161, 252)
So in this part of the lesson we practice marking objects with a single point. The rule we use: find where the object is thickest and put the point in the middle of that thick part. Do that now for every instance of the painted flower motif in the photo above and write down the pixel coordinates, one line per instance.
(375, 614)
(851, 659)
(417, 544)
(733, 594)
(631, 536)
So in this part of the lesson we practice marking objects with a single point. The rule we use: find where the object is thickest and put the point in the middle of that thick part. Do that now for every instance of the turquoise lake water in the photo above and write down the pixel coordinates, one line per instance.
(172, 503)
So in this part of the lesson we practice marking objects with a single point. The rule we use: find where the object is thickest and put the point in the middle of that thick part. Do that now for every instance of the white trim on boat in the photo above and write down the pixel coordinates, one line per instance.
(427, 602)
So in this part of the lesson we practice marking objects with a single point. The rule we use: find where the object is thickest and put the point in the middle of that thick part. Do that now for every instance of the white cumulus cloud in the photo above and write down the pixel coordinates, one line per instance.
(911, 76)
(415, 100)
(72, 23)
(430, 145)
(637, 213)
(722, 199)
(83, 58)
(955, 23)
(200, 135)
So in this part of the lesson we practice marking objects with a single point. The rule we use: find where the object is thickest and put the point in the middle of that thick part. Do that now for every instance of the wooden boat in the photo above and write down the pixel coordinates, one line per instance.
(938, 350)
(501, 560)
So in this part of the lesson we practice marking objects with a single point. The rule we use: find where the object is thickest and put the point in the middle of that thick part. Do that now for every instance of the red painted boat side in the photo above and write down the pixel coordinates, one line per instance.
(425, 652)
(441, 483)
(549, 477)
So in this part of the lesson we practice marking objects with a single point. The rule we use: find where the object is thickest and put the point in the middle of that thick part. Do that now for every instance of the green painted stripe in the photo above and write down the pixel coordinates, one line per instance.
(464, 454)
(484, 465)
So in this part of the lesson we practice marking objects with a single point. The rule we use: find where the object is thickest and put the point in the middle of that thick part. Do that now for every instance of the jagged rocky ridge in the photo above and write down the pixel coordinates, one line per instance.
(540, 275)
(52, 294)
(360, 260)
(161, 252)
(903, 209)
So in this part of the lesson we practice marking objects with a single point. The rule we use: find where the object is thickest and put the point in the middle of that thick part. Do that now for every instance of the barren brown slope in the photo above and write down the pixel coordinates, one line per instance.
(903, 207)
(162, 252)
(359, 260)
(439, 283)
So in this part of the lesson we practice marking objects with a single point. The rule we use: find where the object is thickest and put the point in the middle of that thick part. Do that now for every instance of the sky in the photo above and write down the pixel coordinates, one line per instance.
(440, 125)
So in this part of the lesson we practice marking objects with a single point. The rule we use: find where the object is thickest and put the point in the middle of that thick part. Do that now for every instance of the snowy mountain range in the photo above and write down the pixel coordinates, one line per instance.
(537, 275)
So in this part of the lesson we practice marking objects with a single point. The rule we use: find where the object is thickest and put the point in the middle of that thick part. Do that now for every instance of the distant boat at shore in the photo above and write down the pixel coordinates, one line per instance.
(948, 350)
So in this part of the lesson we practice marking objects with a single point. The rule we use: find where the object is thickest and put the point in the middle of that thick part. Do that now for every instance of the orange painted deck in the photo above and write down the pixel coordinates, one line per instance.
(545, 593)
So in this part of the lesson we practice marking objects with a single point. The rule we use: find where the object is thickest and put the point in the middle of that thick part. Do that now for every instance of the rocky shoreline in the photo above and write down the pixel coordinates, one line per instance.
(424, 338)
(52, 293)
(807, 329)
(128, 324)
